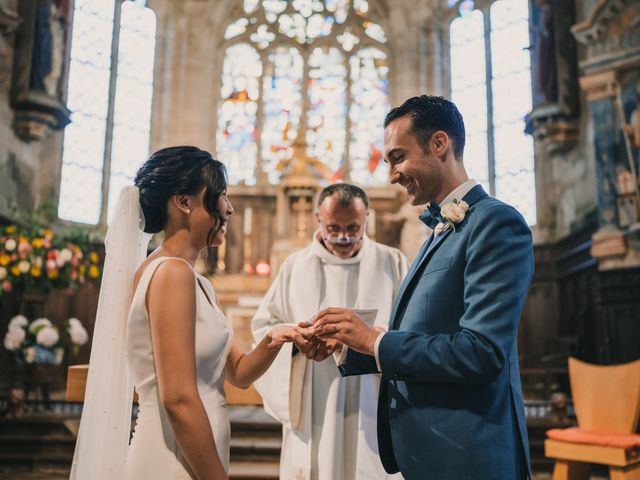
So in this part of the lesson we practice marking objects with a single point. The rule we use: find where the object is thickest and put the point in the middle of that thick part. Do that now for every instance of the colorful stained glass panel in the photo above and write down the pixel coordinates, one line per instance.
(326, 119)
(369, 92)
(282, 107)
(236, 138)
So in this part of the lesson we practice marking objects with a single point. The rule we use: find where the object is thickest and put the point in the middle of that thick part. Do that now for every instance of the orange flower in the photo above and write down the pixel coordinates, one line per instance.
(4, 259)
(37, 243)
(52, 274)
(93, 256)
(36, 271)
(15, 270)
(94, 271)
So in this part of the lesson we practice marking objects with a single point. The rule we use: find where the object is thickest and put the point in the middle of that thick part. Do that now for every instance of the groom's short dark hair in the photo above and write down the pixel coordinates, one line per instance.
(346, 194)
(428, 115)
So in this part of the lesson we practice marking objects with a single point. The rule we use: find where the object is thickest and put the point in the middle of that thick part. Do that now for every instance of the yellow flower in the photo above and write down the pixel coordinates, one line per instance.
(52, 274)
(15, 270)
(47, 234)
(81, 269)
(4, 259)
(10, 229)
(93, 256)
(36, 271)
(23, 239)
(37, 242)
(94, 271)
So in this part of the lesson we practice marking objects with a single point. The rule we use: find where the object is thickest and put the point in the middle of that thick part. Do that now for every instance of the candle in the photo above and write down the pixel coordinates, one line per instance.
(371, 223)
(220, 264)
(248, 217)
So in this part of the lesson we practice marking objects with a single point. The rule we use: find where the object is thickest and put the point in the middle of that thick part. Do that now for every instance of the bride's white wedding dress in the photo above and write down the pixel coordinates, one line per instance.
(153, 452)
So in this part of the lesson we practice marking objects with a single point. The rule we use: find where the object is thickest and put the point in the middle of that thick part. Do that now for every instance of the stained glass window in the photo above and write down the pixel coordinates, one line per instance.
(321, 75)
(109, 134)
(492, 88)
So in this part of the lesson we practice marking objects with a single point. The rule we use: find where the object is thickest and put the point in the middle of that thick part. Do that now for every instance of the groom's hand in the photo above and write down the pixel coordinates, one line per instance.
(347, 327)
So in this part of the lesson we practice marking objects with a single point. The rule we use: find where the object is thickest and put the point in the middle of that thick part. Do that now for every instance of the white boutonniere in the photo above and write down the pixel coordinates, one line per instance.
(454, 213)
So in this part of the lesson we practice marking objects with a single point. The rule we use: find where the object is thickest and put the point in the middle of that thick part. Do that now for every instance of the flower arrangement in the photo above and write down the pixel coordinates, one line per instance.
(38, 259)
(40, 341)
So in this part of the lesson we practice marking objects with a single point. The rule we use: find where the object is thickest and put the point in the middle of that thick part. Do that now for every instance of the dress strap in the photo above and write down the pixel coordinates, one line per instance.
(149, 270)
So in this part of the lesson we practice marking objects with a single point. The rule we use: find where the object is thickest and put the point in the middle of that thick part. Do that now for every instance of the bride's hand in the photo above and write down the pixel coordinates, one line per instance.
(278, 335)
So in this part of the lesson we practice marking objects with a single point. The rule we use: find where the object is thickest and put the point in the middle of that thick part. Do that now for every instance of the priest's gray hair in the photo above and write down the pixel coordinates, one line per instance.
(345, 192)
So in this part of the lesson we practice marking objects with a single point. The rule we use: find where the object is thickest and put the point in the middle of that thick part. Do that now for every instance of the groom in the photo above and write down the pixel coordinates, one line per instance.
(450, 404)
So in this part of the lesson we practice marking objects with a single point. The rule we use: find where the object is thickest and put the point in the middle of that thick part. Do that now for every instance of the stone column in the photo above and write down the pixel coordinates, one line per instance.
(186, 74)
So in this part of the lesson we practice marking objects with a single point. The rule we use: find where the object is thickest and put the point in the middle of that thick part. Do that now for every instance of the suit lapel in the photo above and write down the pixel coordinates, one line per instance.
(427, 251)
(408, 277)
(415, 275)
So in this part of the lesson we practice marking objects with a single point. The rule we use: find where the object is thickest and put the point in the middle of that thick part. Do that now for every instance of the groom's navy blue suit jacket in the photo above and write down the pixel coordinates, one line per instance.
(450, 404)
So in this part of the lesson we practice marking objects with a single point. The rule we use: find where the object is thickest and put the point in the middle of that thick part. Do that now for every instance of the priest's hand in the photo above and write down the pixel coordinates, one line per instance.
(345, 326)
(320, 348)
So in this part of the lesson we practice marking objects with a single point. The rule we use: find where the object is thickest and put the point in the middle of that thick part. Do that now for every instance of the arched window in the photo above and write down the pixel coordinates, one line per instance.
(491, 84)
(304, 69)
(109, 94)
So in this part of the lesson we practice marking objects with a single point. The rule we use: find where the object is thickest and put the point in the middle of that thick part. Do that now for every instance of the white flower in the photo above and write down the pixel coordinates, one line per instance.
(19, 321)
(10, 245)
(73, 322)
(65, 256)
(3, 273)
(454, 212)
(78, 334)
(37, 324)
(24, 266)
(38, 262)
(13, 338)
(47, 337)
(52, 265)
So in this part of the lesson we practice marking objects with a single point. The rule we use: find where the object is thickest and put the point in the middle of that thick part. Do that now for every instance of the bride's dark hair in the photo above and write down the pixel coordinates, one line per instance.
(180, 170)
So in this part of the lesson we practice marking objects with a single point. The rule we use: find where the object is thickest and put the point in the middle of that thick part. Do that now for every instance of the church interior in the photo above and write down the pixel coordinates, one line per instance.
(291, 95)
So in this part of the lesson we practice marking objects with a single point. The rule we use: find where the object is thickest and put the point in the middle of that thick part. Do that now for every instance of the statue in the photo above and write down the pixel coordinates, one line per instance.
(627, 199)
(632, 129)
(48, 48)
(545, 58)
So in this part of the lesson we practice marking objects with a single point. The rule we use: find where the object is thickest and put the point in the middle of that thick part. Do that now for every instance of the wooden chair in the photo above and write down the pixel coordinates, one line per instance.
(607, 405)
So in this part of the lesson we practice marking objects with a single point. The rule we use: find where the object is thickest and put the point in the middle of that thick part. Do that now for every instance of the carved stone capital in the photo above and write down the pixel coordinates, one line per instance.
(605, 12)
(599, 85)
(557, 132)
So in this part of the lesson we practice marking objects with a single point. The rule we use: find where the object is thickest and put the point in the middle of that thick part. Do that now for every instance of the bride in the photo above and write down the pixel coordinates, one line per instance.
(159, 328)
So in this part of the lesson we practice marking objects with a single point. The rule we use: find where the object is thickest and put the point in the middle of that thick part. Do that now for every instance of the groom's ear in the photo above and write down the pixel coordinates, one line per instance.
(439, 143)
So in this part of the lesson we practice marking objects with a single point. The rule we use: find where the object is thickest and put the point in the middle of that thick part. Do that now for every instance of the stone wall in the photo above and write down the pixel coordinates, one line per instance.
(29, 171)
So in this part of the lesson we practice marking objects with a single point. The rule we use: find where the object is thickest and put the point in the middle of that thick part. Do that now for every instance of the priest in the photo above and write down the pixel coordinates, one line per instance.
(329, 422)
